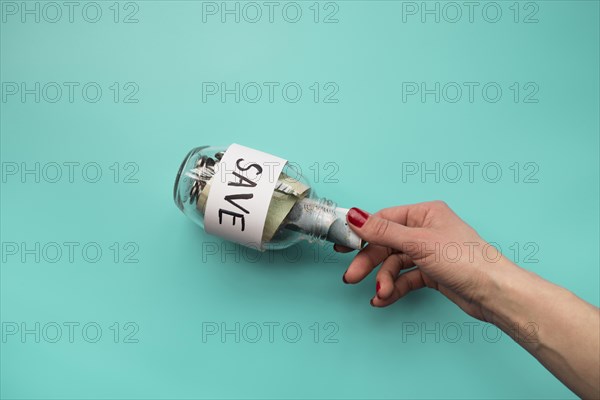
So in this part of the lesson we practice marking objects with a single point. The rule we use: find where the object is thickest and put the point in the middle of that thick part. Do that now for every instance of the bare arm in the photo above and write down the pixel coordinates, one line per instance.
(559, 329)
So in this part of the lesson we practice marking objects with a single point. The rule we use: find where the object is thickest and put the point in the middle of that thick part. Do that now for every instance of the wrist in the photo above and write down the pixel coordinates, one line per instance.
(518, 301)
(507, 291)
(554, 325)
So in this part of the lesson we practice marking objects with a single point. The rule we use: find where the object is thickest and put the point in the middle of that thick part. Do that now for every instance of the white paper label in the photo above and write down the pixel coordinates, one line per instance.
(240, 193)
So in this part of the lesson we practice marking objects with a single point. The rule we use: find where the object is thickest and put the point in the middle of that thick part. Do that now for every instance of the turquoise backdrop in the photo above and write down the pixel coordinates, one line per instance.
(108, 291)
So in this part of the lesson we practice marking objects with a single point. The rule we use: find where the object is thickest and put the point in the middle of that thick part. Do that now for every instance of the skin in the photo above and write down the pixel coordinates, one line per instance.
(418, 246)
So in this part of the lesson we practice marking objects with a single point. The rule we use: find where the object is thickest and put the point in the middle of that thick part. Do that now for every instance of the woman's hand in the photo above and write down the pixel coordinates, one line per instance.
(448, 254)
(428, 245)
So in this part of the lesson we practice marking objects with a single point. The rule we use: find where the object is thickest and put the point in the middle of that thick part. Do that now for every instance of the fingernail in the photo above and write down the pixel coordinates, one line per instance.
(372, 305)
(357, 217)
(377, 287)
(344, 278)
(335, 247)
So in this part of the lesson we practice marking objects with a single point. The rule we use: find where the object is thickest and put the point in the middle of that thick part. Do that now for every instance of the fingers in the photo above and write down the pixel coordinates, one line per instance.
(364, 262)
(404, 284)
(398, 214)
(384, 232)
(387, 274)
(412, 215)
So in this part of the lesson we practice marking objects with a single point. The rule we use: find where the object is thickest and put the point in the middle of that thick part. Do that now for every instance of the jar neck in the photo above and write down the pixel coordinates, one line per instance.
(322, 213)
(320, 219)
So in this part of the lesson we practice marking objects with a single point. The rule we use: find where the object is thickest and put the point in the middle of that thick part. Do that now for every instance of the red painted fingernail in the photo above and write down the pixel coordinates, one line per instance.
(377, 287)
(344, 278)
(357, 217)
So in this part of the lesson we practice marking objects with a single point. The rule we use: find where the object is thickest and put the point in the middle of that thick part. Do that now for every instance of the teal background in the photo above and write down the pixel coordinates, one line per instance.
(368, 134)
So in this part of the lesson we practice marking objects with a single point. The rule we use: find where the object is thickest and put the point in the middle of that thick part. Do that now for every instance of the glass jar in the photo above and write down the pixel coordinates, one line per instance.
(240, 189)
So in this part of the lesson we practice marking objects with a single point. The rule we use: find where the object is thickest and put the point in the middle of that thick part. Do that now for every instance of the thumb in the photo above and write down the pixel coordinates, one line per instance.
(383, 232)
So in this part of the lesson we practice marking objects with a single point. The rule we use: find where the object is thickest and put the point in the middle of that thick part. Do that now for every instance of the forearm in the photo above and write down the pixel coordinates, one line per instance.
(561, 330)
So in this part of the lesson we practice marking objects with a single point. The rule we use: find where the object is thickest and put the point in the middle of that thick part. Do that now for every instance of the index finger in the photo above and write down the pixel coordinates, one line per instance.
(365, 261)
